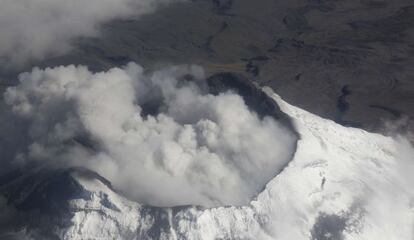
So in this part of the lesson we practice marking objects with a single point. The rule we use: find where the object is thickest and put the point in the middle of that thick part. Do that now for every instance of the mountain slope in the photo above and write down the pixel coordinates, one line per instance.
(343, 183)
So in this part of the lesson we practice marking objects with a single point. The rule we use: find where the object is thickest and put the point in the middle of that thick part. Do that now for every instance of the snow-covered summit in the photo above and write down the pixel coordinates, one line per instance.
(342, 183)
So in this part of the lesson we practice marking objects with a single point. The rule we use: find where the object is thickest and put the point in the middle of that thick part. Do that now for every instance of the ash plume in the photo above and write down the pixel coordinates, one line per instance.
(196, 148)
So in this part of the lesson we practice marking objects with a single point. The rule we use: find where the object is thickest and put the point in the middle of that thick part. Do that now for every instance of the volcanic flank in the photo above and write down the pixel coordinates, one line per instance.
(340, 182)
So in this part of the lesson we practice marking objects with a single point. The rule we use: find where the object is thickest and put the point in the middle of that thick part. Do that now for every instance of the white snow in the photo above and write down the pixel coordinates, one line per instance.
(362, 184)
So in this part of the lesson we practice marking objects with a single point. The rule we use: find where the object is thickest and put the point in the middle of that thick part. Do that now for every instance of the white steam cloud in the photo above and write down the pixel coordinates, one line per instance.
(33, 29)
(199, 149)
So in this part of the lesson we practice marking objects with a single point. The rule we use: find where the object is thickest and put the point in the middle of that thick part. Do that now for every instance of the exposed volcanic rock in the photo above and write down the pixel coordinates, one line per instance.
(252, 94)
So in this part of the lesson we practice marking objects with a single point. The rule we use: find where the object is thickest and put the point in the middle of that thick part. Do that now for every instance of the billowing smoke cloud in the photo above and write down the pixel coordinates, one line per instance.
(197, 148)
(38, 28)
